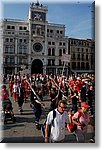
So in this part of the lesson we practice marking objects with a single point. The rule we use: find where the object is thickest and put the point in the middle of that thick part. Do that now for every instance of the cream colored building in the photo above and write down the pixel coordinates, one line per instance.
(39, 45)
(82, 54)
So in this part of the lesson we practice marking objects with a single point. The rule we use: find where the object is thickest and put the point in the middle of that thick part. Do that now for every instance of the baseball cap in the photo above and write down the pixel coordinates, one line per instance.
(84, 104)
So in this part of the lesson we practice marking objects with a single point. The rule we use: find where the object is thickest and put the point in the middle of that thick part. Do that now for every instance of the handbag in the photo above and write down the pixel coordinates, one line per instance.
(71, 127)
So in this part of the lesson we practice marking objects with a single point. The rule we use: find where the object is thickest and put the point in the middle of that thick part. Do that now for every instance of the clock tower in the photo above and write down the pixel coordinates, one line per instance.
(38, 32)
(37, 17)
(38, 12)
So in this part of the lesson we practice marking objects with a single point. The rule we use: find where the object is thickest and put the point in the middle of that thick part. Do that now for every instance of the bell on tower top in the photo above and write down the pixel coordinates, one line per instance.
(38, 5)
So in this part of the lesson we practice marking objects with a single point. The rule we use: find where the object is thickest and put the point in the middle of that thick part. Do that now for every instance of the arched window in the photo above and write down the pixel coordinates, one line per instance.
(87, 65)
(49, 52)
(73, 65)
(60, 52)
(82, 65)
(53, 52)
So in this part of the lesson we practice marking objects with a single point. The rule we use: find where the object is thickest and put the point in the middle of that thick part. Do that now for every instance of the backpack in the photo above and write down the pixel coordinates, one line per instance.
(44, 125)
(71, 126)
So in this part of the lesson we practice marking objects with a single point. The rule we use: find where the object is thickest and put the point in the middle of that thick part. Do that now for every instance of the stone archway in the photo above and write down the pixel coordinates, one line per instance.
(37, 66)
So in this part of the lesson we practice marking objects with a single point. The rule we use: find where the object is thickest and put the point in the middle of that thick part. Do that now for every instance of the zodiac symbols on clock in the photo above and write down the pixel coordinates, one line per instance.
(37, 17)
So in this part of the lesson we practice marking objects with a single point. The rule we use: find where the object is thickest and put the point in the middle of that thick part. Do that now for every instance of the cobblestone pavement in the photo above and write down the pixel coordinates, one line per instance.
(24, 129)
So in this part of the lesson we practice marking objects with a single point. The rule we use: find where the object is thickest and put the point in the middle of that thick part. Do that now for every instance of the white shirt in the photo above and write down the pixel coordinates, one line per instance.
(15, 88)
(58, 130)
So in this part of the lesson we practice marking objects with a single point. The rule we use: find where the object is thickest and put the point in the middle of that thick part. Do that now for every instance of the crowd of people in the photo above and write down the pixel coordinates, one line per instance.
(78, 91)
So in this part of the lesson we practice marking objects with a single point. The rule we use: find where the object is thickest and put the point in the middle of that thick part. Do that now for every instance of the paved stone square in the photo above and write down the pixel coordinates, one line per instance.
(24, 129)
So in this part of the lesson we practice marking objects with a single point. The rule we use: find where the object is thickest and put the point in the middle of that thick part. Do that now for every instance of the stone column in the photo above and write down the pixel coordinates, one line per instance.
(16, 47)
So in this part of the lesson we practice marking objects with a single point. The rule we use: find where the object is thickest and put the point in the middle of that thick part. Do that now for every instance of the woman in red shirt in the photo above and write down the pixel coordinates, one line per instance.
(4, 93)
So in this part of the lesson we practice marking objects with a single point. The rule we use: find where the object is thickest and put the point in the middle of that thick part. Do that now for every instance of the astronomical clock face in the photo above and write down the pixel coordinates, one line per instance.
(37, 47)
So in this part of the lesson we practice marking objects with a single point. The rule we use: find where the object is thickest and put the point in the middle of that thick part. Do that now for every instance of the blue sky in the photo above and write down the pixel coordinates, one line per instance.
(75, 15)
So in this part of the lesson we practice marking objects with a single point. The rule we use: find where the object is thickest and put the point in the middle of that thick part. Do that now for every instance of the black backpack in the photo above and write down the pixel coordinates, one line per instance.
(44, 125)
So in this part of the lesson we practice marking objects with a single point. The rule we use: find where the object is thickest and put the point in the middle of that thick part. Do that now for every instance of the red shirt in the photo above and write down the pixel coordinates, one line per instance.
(4, 94)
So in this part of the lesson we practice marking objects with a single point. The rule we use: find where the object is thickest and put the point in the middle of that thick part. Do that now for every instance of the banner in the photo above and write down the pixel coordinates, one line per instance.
(66, 57)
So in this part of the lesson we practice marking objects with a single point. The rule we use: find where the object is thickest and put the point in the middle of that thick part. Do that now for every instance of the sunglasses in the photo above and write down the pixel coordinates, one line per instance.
(62, 107)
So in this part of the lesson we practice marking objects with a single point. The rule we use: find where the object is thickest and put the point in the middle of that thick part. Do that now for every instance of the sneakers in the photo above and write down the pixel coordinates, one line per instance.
(31, 106)
(20, 110)
(36, 123)
(92, 140)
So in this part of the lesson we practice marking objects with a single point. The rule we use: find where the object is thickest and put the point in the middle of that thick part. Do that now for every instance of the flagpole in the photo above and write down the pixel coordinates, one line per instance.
(63, 68)
(38, 98)
(33, 91)
(58, 87)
